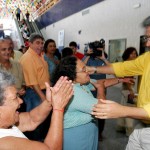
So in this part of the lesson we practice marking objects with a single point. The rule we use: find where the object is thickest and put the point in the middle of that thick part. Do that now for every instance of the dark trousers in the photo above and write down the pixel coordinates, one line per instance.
(32, 100)
(23, 105)
(18, 16)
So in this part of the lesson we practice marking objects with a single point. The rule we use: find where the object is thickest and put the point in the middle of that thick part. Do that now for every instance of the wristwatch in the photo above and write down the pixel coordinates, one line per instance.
(95, 69)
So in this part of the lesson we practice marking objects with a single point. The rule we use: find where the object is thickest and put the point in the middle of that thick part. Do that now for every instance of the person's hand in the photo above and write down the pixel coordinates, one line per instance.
(89, 51)
(98, 84)
(90, 69)
(102, 57)
(127, 80)
(107, 109)
(21, 91)
(61, 93)
(131, 95)
(55, 89)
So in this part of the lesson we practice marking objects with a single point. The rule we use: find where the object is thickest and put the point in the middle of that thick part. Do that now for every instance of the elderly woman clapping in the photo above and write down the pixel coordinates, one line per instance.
(13, 123)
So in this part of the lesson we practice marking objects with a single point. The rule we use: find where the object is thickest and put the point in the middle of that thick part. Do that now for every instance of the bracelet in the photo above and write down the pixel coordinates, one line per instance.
(61, 110)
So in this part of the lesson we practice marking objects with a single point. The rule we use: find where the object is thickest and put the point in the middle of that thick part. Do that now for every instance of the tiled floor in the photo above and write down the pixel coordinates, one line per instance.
(113, 140)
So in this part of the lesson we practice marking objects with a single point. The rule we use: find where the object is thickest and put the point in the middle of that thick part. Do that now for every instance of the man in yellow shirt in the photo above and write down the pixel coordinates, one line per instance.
(139, 66)
(139, 139)
(35, 71)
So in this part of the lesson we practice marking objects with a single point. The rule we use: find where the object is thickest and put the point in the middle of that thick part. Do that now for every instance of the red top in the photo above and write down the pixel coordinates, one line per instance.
(79, 55)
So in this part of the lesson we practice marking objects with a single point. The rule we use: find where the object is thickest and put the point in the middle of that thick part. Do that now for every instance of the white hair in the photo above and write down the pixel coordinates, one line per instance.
(6, 80)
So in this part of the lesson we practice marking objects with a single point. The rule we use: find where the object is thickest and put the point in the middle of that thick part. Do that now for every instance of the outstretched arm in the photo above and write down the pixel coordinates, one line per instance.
(104, 58)
(53, 140)
(114, 81)
(108, 109)
(86, 59)
(87, 56)
(60, 99)
(30, 120)
(102, 84)
(100, 69)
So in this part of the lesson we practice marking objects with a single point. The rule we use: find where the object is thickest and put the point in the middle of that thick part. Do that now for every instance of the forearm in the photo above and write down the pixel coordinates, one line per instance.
(101, 93)
(86, 59)
(101, 89)
(106, 61)
(108, 82)
(114, 81)
(111, 82)
(134, 112)
(105, 69)
(30, 120)
(101, 69)
(55, 133)
(39, 92)
(39, 113)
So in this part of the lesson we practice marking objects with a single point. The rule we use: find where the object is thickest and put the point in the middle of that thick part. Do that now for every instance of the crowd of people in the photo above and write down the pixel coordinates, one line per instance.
(22, 22)
(64, 95)
(24, 30)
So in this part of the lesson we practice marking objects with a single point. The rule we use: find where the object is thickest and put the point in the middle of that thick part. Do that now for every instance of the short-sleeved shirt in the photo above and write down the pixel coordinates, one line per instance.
(17, 55)
(80, 106)
(35, 69)
(15, 70)
(139, 66)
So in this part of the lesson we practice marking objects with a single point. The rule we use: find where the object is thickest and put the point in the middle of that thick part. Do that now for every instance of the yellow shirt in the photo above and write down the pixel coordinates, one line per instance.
(35, 69)
(139, 66)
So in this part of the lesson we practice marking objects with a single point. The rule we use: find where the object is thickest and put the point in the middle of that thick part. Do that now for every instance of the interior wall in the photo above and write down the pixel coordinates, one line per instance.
(110, 19)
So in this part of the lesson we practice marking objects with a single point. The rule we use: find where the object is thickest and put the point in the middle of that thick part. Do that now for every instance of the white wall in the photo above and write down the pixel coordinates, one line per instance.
(110, 19)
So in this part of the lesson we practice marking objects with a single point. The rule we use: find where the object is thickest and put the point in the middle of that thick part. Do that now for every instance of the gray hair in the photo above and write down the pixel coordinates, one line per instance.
(146, 22)
(35, 36)
(6, 80)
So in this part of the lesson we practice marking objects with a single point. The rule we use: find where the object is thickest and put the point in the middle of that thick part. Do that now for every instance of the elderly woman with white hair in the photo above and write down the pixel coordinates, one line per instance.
(13, 123)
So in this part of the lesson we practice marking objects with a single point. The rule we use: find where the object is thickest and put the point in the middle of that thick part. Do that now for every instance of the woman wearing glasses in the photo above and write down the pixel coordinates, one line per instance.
(80, 127)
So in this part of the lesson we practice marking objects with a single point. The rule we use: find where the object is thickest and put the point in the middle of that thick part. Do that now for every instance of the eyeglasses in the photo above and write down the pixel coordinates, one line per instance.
(82, 70)
(146, 38)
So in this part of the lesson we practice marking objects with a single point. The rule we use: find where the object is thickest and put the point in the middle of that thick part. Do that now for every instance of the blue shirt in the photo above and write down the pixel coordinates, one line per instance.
(80, 106)
(51, 64)
(18, 11)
